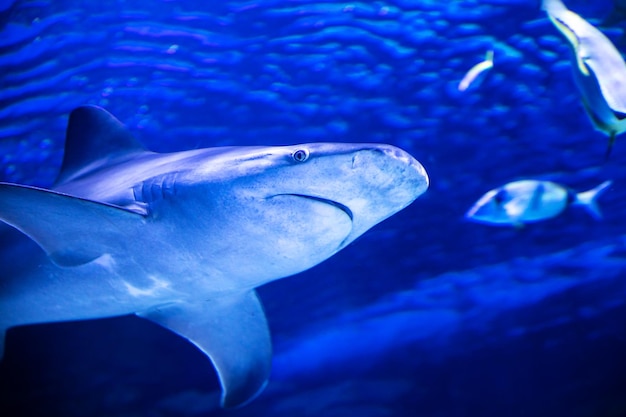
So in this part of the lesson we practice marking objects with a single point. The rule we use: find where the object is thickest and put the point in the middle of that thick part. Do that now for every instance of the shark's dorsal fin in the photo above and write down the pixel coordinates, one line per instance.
(95, 138)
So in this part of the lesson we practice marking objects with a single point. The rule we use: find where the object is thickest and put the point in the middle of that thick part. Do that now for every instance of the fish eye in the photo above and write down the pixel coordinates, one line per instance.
(300, 155)
(500, 197)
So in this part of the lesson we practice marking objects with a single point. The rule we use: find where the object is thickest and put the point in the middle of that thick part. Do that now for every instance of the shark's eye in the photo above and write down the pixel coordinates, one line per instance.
(300, 155)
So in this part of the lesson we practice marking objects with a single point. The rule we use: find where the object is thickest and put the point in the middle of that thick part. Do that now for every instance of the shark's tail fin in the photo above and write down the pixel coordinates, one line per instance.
(588, 199)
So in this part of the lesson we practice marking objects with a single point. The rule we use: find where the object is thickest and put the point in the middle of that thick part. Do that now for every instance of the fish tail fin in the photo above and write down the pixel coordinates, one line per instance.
(588, 199)
(489, 56)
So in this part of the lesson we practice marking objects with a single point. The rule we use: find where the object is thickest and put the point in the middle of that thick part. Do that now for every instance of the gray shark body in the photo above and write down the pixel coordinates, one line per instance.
(182, 239)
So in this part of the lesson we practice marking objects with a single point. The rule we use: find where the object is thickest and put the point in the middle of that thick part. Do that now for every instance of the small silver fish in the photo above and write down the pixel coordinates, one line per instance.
(473, 75)
(599, 70)
(528, 201)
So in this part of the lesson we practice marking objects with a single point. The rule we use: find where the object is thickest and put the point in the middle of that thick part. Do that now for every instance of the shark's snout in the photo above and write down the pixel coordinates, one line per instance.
(392, 171)
(412, 164)
(376, 182)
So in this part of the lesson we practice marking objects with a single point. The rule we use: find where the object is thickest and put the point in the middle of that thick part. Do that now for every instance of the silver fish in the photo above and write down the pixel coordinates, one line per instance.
(599, 70)
(473, 76)
(529, 201)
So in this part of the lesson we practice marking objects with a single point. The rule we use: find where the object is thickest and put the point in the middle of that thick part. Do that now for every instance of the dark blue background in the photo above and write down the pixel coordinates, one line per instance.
(424, 315)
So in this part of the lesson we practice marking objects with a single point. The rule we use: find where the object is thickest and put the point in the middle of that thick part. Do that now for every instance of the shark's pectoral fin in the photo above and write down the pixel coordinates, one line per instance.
(71, 230)
(232, 331)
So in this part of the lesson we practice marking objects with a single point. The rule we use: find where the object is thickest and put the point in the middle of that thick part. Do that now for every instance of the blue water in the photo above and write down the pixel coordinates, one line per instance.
(426, 314)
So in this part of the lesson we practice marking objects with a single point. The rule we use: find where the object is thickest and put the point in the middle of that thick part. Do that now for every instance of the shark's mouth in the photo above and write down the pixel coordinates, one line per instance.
(340, 206)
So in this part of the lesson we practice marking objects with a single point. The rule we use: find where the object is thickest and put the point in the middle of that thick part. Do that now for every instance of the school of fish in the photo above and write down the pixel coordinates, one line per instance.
(599, 73)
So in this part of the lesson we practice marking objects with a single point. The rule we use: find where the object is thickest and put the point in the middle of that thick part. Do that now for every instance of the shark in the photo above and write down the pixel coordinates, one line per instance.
(182, 239)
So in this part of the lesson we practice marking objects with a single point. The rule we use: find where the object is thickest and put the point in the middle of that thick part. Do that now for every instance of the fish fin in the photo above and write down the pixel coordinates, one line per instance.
(597, 122)
(94, 138)
(588, 199)
(514, 212)
(535, 199)
(572, 38)
(609, 147)
(603, 127)
(489, 57)
(232, 332)
(71, 230)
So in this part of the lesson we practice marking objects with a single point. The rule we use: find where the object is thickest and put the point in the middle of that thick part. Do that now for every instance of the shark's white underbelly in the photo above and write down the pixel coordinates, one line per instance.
(34, 290)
